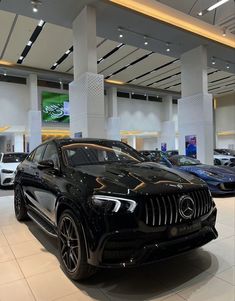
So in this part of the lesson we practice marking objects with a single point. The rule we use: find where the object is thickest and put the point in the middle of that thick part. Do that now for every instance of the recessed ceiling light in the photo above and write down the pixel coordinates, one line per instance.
(227, 66)
(5, 74)
(200, 13)
(214, 6)
(35, 4)
(146, 41)
(21, 58)
(29, 43)
(120, 33)
(68, 51)
(55, 64)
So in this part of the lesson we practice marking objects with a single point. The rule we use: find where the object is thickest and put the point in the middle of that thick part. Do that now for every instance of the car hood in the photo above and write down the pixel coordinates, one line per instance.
(200, 169)
(145, 178)
(9, 166)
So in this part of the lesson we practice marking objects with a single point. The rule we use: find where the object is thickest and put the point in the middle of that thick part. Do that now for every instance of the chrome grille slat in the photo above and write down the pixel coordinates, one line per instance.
(171, 210)
(159, 212)
(176, 209)
(153, 212)
(163, 210)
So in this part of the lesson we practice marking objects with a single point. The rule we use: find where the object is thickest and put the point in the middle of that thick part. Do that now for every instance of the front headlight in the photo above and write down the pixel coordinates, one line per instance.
(113, 204)
(7, 171)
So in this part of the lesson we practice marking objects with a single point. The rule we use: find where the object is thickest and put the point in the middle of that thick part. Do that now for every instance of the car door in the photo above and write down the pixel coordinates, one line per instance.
(51, 182)
(31, 182)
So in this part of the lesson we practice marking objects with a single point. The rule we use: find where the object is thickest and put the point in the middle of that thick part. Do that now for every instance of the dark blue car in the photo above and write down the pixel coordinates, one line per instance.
(221, 180)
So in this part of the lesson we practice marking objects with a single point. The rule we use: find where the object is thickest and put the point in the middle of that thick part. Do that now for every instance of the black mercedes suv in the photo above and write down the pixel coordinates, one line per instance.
(109, 207)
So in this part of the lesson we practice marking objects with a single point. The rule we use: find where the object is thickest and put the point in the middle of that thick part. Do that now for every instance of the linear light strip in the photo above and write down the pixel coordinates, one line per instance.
(214, 6)
(32, 40)
(62, 58)
(155, 10)
(110, 53)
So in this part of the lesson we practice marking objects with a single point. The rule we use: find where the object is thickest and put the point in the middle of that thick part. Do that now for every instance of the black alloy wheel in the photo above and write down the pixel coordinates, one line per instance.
(19, 204)
(72, 248)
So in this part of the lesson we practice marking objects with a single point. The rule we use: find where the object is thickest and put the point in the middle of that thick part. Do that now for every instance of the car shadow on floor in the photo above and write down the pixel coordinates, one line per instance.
(147, 282)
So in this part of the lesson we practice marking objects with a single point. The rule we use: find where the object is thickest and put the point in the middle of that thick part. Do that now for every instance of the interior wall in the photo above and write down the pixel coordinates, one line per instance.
(138, 115)
(14, 104)
(225, 120)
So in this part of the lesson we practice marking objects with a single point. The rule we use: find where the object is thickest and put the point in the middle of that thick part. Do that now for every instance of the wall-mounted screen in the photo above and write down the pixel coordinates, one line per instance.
(55, 107)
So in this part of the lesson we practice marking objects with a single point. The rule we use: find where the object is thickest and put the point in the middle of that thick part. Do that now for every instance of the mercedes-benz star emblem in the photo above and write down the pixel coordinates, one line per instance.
(186, 207)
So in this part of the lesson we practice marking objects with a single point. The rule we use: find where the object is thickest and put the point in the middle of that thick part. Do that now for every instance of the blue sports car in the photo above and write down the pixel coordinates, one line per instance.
(221, 180)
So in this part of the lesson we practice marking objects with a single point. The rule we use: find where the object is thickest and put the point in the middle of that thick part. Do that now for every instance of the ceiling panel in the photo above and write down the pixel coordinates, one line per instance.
(218, 75)
(21, 34)
(168, 82)
(114, 58)
(153, 61)
(128, 59)
(66, 64)
(51, 44)
(156, 75)
(6, 21)
(105, 48)
(171, 72)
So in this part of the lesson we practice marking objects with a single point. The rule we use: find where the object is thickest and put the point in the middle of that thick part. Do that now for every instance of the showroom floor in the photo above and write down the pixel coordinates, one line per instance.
(29, 269)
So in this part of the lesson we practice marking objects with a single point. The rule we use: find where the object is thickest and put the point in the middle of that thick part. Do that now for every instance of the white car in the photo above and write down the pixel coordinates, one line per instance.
(8, 164)
(225, 160)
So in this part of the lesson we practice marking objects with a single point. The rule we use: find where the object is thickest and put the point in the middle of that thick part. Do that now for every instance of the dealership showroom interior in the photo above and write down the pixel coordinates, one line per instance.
(117, 150)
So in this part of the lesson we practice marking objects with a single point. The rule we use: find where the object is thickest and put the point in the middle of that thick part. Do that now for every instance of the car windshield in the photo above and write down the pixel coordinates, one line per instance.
(13, 158)
(77, 154)
(184, 161)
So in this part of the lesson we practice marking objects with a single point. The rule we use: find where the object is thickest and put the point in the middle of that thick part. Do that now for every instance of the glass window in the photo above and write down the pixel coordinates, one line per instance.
(13, 158)
(38, 153)
(99, 153)
(51, 154)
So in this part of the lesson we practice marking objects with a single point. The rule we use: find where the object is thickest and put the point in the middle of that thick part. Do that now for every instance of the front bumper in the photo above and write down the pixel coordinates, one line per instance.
(7, 179)
(134, 247)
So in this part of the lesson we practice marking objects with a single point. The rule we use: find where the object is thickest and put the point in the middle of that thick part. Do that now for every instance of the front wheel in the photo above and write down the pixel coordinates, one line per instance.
(72, 249)
(19, 204)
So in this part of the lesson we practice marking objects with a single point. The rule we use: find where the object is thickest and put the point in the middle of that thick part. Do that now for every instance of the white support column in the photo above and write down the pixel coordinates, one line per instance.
(86, 92)
(195, 107)
(168, 125)
(34, 114)
(19, 142)
(113, 122)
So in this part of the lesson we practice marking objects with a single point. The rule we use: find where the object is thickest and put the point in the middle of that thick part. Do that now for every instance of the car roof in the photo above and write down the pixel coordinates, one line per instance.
(65, 141)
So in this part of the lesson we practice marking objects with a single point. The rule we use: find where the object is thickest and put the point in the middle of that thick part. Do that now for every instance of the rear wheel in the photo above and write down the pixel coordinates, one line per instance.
(19, 204)
(72, 249)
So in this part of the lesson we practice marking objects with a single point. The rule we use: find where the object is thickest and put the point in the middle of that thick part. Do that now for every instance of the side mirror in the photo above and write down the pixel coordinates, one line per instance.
(46, 164)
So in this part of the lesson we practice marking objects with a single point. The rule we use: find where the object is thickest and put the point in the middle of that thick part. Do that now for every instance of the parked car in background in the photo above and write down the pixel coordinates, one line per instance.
(8, 165)
(221, 159)
(221, 180)
(153, 155)
(170, 153)
(225, 151)
(109, 207)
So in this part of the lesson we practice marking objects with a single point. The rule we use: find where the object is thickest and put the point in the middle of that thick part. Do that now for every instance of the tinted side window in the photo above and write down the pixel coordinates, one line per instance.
(38, 153)
(51, 154)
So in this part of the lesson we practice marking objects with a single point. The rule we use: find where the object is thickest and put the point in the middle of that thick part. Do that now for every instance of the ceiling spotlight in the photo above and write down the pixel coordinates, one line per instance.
(35, 4)
(168, 47)
(120, 33)
(146, 41)
(200, 13)
(227, 66)
(21, 58)
(61, 83)
(55, 64)
(68, 51)
(213, 61)
(29, 43)
(224, 32)
(5, 74)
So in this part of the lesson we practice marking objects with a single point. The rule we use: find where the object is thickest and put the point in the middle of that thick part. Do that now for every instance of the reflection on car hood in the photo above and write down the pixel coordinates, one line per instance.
(147, 177)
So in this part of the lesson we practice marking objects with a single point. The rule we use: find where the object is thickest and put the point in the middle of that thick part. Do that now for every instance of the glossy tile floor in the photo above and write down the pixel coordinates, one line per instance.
(29, 269)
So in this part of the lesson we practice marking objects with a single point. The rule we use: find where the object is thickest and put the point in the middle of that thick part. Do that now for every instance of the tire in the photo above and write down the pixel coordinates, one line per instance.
(72, 249)
(19, 204)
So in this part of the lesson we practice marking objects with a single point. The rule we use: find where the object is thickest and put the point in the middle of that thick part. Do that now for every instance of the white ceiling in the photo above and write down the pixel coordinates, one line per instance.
(54, 40)
(223, 14)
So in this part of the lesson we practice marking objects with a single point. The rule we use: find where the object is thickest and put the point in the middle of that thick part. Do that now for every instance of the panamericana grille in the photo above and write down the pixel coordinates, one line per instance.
(163, 210)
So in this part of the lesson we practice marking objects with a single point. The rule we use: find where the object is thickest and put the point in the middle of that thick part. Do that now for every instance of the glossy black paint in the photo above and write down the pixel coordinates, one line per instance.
(49, 191)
